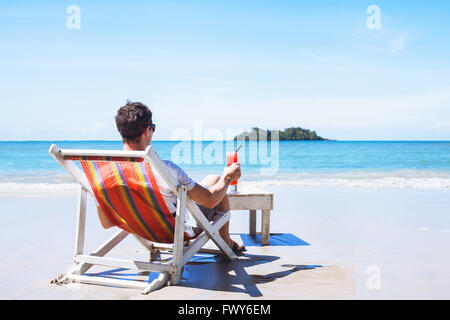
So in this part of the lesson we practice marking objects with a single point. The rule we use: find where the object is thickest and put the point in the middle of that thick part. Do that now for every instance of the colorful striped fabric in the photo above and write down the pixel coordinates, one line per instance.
(129, 196)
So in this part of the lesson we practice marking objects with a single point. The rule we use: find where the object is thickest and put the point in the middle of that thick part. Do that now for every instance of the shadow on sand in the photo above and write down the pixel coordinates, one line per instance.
(217, 273)
(211, 272)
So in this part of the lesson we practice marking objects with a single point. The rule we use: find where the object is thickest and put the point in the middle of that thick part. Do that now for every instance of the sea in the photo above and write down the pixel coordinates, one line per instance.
(26, 166)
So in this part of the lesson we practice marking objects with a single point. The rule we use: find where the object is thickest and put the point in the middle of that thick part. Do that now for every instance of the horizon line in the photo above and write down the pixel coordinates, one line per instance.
(192, 140)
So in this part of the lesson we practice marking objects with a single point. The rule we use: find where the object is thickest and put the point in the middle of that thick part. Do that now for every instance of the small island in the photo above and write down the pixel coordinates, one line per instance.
(289, 134)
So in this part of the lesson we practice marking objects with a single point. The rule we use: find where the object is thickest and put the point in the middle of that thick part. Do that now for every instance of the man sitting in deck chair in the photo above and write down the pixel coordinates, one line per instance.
(135, 125)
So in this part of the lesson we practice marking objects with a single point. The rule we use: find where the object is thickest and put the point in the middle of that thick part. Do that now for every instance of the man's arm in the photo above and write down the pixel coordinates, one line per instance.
(211, 197)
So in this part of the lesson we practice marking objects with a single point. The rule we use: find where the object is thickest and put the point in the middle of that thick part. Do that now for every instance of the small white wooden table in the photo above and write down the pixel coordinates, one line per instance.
(252, 199)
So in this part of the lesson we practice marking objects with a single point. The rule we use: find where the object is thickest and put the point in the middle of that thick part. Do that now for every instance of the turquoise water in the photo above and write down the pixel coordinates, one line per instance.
(353, 163)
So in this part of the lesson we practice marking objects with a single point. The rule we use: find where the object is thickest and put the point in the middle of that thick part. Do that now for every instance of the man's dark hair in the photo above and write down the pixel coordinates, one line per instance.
(132, 119)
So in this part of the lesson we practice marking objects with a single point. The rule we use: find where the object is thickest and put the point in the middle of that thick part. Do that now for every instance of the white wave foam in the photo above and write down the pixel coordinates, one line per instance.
(402, 179)
(37, 188)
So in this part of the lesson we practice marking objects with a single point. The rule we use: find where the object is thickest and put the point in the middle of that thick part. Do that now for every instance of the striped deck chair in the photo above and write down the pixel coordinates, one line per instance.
(124, 186)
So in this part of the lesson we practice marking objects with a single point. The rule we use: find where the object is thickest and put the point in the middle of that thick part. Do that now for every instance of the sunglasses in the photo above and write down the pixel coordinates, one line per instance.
(153, 126)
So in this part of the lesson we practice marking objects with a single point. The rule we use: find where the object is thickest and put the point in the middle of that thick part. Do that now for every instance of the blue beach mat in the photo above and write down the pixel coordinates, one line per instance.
(276, 239)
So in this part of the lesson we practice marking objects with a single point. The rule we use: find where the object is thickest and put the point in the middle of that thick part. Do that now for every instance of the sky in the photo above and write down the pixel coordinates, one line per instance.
(226, 66)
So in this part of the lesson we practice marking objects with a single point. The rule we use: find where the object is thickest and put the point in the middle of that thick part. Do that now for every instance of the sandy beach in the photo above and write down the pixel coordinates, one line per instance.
(325, 244)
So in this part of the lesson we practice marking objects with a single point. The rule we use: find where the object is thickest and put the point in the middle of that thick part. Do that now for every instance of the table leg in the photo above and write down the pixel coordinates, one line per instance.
(265, 227)
(252, 223)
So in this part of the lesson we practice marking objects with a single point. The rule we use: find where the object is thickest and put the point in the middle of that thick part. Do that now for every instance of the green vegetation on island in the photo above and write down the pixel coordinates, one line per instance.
(292, 134)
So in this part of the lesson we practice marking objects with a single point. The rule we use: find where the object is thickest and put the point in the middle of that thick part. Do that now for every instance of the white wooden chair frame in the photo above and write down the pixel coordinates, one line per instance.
(170, 272)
